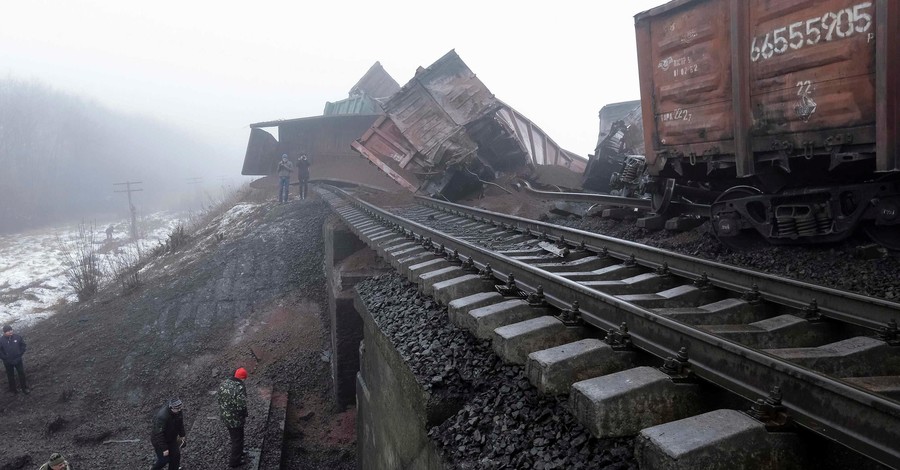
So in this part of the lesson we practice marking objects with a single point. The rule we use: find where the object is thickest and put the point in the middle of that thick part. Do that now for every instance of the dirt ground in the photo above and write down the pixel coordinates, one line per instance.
(247, 291)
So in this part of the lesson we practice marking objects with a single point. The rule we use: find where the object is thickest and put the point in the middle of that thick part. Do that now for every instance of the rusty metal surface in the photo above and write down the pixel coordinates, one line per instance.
(385, 147)
(320, 137)
(456, 89)
(433, 107)
(376, 83)
(722, 77)
(887, 52)
(691, 75)
(804, 80)
(261, 148)
(445, 132)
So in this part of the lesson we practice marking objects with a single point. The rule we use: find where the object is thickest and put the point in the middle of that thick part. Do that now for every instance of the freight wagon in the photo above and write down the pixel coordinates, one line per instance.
(445, 134)
(782, 115)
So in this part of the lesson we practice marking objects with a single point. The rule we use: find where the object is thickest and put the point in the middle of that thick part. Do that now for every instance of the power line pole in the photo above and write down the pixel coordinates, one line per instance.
(197, 194)
(127, 184)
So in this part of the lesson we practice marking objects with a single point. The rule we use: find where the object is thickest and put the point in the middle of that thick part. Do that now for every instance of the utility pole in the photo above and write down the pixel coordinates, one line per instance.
(222, 182)
(197, 195)
(127, 184)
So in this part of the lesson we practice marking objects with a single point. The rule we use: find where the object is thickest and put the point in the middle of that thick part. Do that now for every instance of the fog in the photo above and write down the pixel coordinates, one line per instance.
(62, 156)
(170, 87)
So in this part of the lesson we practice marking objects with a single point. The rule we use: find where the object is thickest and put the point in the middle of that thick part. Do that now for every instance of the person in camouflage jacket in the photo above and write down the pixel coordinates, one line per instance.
(232, 397)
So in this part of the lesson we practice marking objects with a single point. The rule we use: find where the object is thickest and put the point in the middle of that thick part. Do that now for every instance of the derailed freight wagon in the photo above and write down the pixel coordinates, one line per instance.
(445, 134)
(325, 139)
(617, 165)
(781, 114)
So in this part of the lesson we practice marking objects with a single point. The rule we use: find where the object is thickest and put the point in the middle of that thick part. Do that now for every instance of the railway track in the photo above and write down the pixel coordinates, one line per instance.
(818, 357)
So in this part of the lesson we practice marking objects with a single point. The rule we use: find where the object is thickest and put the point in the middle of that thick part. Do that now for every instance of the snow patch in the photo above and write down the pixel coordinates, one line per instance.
(33, 263)
(236, 212)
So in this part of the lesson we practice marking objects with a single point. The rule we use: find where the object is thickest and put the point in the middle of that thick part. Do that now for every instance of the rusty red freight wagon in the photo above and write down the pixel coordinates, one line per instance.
(781, 114)
(445, 134)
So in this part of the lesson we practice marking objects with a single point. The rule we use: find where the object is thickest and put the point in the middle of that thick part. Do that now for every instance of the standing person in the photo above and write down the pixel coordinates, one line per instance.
(167, 435)
(109, 232)
(12, 348)
(285, 168)
(232, 399)
(303, 174)
(56, 462)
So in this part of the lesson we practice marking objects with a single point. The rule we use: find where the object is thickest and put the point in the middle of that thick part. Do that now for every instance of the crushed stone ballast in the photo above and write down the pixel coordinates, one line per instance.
(625, 292)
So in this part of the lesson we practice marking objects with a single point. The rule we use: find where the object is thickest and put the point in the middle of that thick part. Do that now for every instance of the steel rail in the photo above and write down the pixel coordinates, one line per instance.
(867, 423)
(840, 305)
(619, 201)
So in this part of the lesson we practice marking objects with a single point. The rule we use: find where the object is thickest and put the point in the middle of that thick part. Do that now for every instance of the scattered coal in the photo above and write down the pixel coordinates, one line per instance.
(500, 420)
(853, 265)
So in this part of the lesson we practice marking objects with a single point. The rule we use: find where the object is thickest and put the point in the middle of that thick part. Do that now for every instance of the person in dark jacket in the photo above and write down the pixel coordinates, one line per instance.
(232, 398)
(285, 168)
(56, 462)
(303, 174)
(167, 435)
(12, 348)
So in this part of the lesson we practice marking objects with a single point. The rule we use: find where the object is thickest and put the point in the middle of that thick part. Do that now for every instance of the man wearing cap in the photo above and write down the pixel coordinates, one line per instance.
(285, 168)
(12, 348)
(167, 435)
(232, 398)
(56, 462)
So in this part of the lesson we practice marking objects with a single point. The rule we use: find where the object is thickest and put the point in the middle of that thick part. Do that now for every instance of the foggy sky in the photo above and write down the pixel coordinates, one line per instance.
(214, 67)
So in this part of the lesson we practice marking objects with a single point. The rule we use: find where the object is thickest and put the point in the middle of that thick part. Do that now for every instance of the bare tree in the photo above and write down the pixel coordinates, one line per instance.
(83, 271)
(124, 268)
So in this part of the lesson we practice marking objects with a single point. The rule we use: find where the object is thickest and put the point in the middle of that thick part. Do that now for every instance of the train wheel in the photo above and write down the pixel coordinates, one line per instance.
(661, 199)
(887, 236)
(885, 229)
(727, 222)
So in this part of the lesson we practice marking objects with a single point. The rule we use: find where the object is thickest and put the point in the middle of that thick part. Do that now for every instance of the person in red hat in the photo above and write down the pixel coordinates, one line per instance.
(232, 398)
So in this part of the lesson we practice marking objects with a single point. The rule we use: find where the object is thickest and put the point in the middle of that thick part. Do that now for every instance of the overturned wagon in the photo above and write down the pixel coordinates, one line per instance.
(444, 134)
(326, 139)
(783, 115)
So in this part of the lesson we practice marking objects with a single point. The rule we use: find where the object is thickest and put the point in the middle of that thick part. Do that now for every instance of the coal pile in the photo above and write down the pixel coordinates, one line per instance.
(445, 360)
(854, 265)
(501, 421)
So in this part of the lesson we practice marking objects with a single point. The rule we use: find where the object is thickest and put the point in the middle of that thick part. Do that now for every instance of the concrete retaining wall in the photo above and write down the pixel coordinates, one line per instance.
(347, 262)
(393, 412)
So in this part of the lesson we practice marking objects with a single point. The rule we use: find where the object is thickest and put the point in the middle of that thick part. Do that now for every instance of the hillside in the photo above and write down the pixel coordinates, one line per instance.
(247, 290)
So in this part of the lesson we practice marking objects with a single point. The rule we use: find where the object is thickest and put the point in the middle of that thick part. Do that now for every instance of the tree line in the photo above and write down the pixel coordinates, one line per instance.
(60, 155)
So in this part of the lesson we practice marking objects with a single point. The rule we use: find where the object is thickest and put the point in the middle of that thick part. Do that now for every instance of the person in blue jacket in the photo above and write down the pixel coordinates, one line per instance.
(12, 348)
